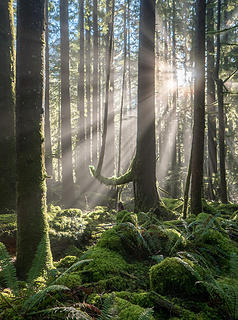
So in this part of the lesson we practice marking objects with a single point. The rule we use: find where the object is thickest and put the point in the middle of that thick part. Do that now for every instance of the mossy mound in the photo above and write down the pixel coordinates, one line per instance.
(125, 216)
(164, 240)
(174, 277)
(108, 270)
(126, 239)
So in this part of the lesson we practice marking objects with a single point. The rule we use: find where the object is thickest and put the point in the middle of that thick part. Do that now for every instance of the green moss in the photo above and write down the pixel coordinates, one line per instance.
(111, 240)
(125, 216)
(171, 277)
(66, 262)
(71, 280)
(126, 239)
(105, 264)
(127, 310)
(143, 299)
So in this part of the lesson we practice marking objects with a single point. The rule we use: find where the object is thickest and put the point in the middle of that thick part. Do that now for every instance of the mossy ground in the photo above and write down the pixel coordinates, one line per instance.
(138, 267)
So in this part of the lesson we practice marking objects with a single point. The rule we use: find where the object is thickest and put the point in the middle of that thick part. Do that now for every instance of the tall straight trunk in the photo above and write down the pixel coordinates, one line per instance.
(174, 186)
(212, 145)
(32, 228)
(199, 109)
(66, 132)
(82, 165)
(48, 146)
(95, 80)
(220, 98)
(88, 84)
(129, 55)
(122, 93)
(7, 108)
(146, 196)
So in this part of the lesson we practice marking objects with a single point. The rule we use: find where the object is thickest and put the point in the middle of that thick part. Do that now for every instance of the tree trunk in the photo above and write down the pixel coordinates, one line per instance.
(66, 132)
(95, 81)
(122, 93)
(31, 189)
(82, 165)
(212, 145)
(88, 83)
(174, 182)
(199, 109)
(7, 108)
(146, 196)
(220, 97)
(48, 147)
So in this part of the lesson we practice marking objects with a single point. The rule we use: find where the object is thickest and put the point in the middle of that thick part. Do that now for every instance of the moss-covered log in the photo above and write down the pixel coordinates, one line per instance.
(31, 188)
(7, 106)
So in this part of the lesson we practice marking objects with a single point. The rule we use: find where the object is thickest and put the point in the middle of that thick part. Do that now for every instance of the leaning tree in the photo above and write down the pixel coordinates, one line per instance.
(142, 169)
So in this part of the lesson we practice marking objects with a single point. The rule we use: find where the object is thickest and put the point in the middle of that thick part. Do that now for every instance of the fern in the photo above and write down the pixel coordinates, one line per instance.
(39, 261)
(146, 315)
(71, 313)
(107, 307)
(8, 270)
(40, 295)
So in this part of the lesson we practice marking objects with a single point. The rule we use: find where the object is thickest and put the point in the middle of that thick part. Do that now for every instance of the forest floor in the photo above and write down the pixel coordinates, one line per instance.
(122, 265)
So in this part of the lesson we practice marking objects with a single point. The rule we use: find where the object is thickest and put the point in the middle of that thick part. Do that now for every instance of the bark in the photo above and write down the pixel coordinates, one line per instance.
(146, 195)
(48, 146)
(199, 109)
(105, 119)
(122, 93)
(32, 225)
(109, 160)
(95, 80)
(82, 165)
(212, 145)
(88, 84)
(66, 132)
(7, 108)
(220, 97)
(174, 186)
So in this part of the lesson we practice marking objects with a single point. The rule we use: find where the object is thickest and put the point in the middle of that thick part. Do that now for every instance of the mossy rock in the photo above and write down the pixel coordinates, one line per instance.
(171, 277)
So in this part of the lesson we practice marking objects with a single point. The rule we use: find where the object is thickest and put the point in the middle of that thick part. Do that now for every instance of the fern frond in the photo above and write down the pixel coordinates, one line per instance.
(71, 313)
(40, 295)
(146, 315)
(7, 269)
(39, 261)
(107, 307)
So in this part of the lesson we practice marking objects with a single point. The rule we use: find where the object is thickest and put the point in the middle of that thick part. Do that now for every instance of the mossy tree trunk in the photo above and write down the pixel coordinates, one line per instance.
(145, 191)
(7, 108)
(66, 132)
(31, 187)
(199, 109)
